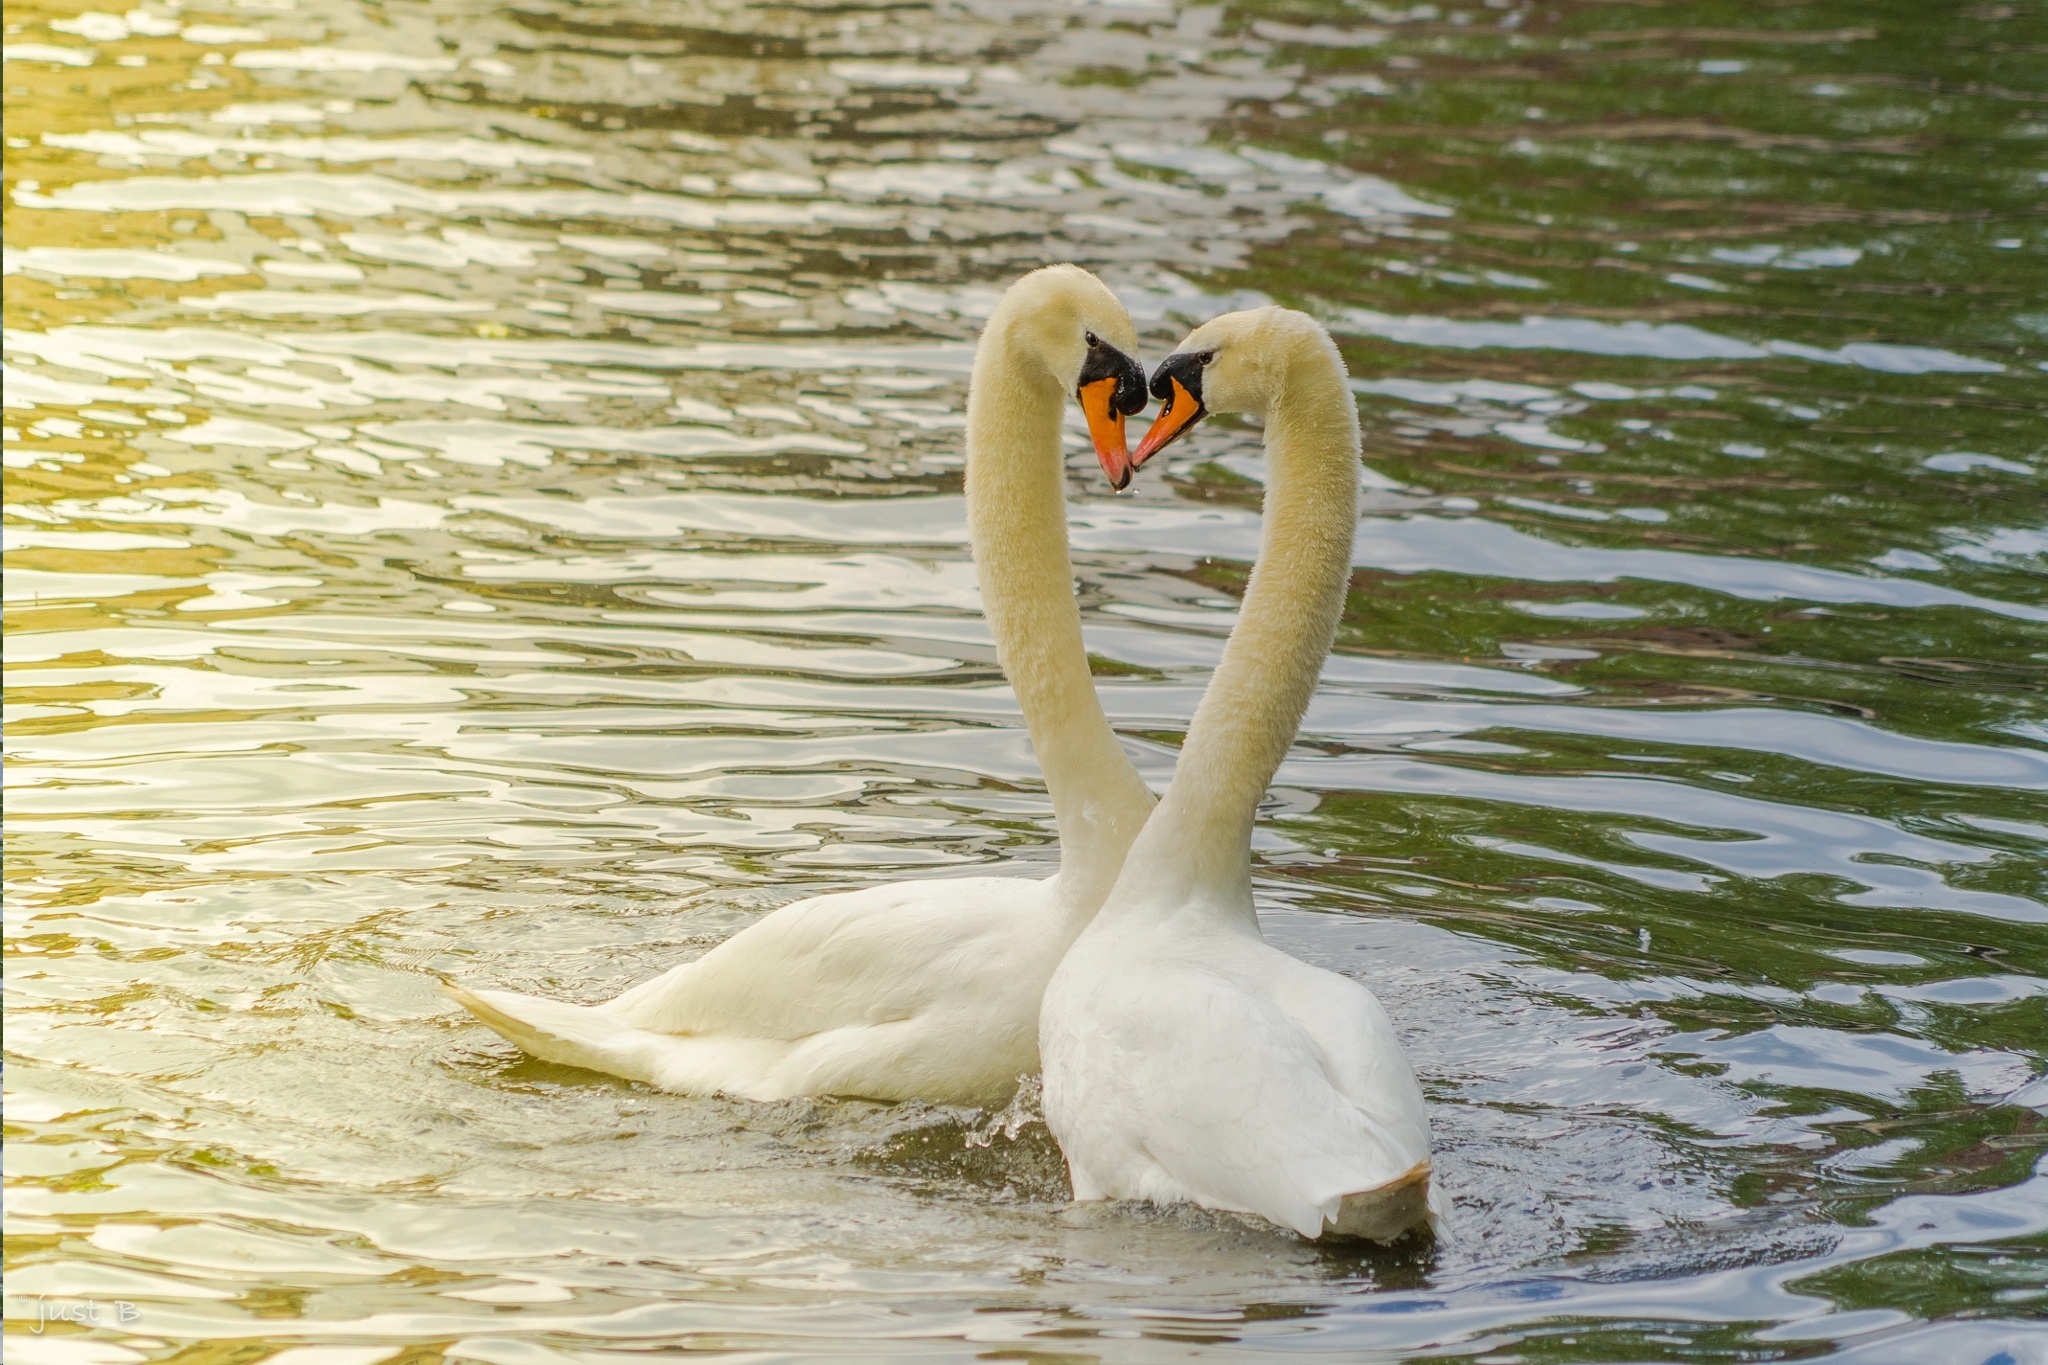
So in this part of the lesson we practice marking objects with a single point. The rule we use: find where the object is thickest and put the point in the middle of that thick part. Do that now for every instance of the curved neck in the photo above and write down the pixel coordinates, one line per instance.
(1017, 520)
(1196, 850)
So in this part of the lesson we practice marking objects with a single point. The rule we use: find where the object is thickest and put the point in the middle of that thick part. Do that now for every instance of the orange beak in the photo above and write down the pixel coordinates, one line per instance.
(1106, 430)
(1174, 421)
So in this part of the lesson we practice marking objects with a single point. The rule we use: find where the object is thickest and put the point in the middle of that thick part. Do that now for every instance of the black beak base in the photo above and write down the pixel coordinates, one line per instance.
(1178, 385)
(1187, 368)
(1107, 362)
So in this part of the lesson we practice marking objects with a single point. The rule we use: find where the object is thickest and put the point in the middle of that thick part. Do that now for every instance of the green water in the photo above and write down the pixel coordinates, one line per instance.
(483, 501)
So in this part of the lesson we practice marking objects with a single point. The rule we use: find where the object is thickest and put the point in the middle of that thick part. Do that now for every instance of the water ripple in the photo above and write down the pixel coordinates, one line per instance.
(483, 498)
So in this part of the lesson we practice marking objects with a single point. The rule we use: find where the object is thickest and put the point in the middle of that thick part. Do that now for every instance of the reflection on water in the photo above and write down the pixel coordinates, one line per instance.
(483, 499)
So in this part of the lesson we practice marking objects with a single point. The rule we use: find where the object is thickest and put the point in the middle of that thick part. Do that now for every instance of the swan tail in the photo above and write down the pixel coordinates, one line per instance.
(1386, 1212)
(573, 1035)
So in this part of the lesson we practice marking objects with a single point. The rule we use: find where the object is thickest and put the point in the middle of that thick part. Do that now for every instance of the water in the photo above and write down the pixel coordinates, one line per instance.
(483, 500)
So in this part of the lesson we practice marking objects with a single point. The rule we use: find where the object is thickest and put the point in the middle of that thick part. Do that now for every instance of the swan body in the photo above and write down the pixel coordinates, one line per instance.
(925, 989)
(1186, 1059)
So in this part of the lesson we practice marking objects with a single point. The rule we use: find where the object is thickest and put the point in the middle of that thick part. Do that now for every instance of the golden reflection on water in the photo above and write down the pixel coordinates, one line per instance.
(483, 500)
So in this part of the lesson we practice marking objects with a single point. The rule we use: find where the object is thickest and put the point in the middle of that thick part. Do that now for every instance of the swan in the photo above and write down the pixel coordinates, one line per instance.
(1186, 1059)
(926, 989)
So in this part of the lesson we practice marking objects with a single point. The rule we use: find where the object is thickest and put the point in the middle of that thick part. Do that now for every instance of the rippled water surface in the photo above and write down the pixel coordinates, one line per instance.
(483, 500)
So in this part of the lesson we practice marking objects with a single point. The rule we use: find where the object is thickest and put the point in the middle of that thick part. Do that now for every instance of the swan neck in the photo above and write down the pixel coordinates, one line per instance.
(1196, 851)
(1016, 516)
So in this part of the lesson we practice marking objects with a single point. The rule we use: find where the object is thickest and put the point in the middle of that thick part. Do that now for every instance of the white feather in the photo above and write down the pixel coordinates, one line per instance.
(923, 989)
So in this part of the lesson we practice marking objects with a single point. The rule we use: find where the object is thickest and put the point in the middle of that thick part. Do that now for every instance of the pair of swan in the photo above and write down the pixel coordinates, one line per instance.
(1185, 1059)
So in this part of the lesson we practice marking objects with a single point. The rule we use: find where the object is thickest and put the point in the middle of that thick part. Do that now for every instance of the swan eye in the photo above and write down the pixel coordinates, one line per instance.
(1093, 340)
(1205, 357)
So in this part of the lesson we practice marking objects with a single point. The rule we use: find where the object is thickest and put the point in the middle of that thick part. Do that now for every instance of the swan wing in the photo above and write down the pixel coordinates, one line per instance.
(1199, 1084)
(1360, 1054)
(854, 958)
(924, 989)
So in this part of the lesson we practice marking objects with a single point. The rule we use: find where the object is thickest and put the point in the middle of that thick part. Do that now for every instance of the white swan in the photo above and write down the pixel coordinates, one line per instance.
(1186, 1060)
(926, 989)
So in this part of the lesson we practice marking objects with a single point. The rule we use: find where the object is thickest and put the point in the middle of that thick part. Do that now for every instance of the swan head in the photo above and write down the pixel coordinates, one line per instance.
(1236, 362)
(1065, 319)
